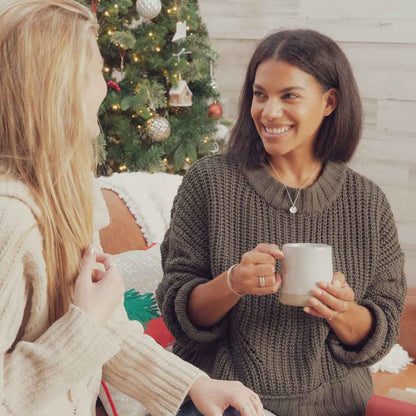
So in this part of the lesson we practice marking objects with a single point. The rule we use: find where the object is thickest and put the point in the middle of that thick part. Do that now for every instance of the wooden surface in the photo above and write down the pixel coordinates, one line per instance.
(383, 382)
(407, 337)
(378, 37)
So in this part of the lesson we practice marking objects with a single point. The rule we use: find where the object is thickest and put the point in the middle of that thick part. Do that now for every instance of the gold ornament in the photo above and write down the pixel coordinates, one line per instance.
(157, 129)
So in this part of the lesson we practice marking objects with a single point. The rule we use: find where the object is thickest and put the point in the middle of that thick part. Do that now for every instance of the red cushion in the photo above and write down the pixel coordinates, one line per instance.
(156, 328)
(383, 406)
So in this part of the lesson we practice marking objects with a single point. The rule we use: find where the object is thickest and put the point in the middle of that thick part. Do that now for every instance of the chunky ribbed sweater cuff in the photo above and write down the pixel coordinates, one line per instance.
(70, 350)
(374, 348)
(164, 379)
(195, 333)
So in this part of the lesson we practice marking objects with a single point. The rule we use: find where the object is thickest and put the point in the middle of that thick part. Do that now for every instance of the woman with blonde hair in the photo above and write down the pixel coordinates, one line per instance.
(62, 324)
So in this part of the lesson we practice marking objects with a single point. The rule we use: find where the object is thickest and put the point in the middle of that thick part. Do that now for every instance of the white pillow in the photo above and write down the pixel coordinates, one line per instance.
(141, 269)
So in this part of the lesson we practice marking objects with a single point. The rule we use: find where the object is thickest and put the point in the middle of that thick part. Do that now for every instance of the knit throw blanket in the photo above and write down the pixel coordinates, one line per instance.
(149, 197)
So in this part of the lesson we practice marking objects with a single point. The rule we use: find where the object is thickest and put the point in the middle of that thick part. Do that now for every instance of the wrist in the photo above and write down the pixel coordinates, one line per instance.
(354, 326)
(197, 384)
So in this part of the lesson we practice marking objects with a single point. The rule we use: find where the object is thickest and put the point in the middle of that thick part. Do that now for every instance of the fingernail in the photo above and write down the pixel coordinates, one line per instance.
(90, 250)
(313, 302)
(318, 292)
(278, 252)
(323, 284)
(306, 309)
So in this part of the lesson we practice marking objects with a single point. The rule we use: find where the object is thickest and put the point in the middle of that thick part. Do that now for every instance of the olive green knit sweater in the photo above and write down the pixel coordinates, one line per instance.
(293, 360)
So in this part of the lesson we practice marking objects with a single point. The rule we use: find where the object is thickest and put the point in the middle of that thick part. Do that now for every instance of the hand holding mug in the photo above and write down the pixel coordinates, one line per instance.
(330, 299)
(255, 274)
(303, 266)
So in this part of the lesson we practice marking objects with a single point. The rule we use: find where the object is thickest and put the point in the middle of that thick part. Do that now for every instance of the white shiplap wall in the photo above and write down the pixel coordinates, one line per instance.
(379, 38)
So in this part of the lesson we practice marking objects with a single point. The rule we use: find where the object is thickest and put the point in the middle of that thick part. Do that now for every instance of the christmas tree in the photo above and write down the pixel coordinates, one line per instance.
(161, 112)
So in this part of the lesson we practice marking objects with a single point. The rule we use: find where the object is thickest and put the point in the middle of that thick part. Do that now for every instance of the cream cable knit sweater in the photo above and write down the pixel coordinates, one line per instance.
(56, 370)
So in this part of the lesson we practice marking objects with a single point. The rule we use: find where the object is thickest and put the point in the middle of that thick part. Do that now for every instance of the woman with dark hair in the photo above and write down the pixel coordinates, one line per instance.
(284, 179)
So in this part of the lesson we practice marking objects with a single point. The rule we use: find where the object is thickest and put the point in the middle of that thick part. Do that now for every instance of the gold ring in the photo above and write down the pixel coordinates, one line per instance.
(262, 281)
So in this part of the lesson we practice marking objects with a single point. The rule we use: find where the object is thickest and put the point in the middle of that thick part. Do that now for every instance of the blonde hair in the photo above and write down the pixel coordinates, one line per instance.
(44, 138)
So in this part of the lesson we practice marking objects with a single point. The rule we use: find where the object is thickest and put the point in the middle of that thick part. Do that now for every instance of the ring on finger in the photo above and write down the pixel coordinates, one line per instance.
(110, 265)
(333, 316)
(262, 281)
(345, 307)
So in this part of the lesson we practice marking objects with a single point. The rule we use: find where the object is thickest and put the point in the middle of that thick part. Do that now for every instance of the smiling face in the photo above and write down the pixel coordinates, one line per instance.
(288, 108)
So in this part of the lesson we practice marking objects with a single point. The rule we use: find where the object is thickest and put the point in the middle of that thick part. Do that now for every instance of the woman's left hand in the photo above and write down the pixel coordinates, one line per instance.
(212, 397)
(331, 299)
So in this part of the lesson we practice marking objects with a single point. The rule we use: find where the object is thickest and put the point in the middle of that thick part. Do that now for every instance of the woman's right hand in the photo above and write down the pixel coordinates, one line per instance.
(98, 292)
(255, 274)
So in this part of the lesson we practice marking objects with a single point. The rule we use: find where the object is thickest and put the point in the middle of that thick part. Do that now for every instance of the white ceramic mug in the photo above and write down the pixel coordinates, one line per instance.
(303, 266)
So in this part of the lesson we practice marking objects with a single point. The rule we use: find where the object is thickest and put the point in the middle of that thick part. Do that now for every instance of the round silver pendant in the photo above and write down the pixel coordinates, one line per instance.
(293, 209)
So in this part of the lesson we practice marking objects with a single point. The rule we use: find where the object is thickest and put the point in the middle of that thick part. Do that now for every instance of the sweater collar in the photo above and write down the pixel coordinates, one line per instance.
(313, 199)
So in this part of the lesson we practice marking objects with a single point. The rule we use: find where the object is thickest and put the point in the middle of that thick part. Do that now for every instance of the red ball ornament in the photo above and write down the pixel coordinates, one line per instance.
(114, 86)
(215, 111)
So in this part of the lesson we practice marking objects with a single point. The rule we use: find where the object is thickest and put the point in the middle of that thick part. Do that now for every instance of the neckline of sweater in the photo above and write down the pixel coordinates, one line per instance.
(313, 199)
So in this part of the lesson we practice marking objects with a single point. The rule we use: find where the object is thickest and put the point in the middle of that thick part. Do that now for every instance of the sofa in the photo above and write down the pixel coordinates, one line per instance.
(123, 234)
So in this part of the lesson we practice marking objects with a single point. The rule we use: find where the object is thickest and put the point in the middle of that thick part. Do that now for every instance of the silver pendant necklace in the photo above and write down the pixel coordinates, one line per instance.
(293, 209)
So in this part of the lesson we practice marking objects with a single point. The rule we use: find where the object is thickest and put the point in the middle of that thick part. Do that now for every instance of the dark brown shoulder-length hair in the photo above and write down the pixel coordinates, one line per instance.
(320, 56)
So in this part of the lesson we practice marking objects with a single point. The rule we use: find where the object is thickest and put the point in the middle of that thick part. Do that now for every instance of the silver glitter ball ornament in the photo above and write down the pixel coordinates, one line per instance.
(158, 129)
(148, 9)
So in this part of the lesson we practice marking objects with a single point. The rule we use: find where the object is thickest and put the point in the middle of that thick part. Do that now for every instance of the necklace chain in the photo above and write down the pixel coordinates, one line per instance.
(293, 209)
